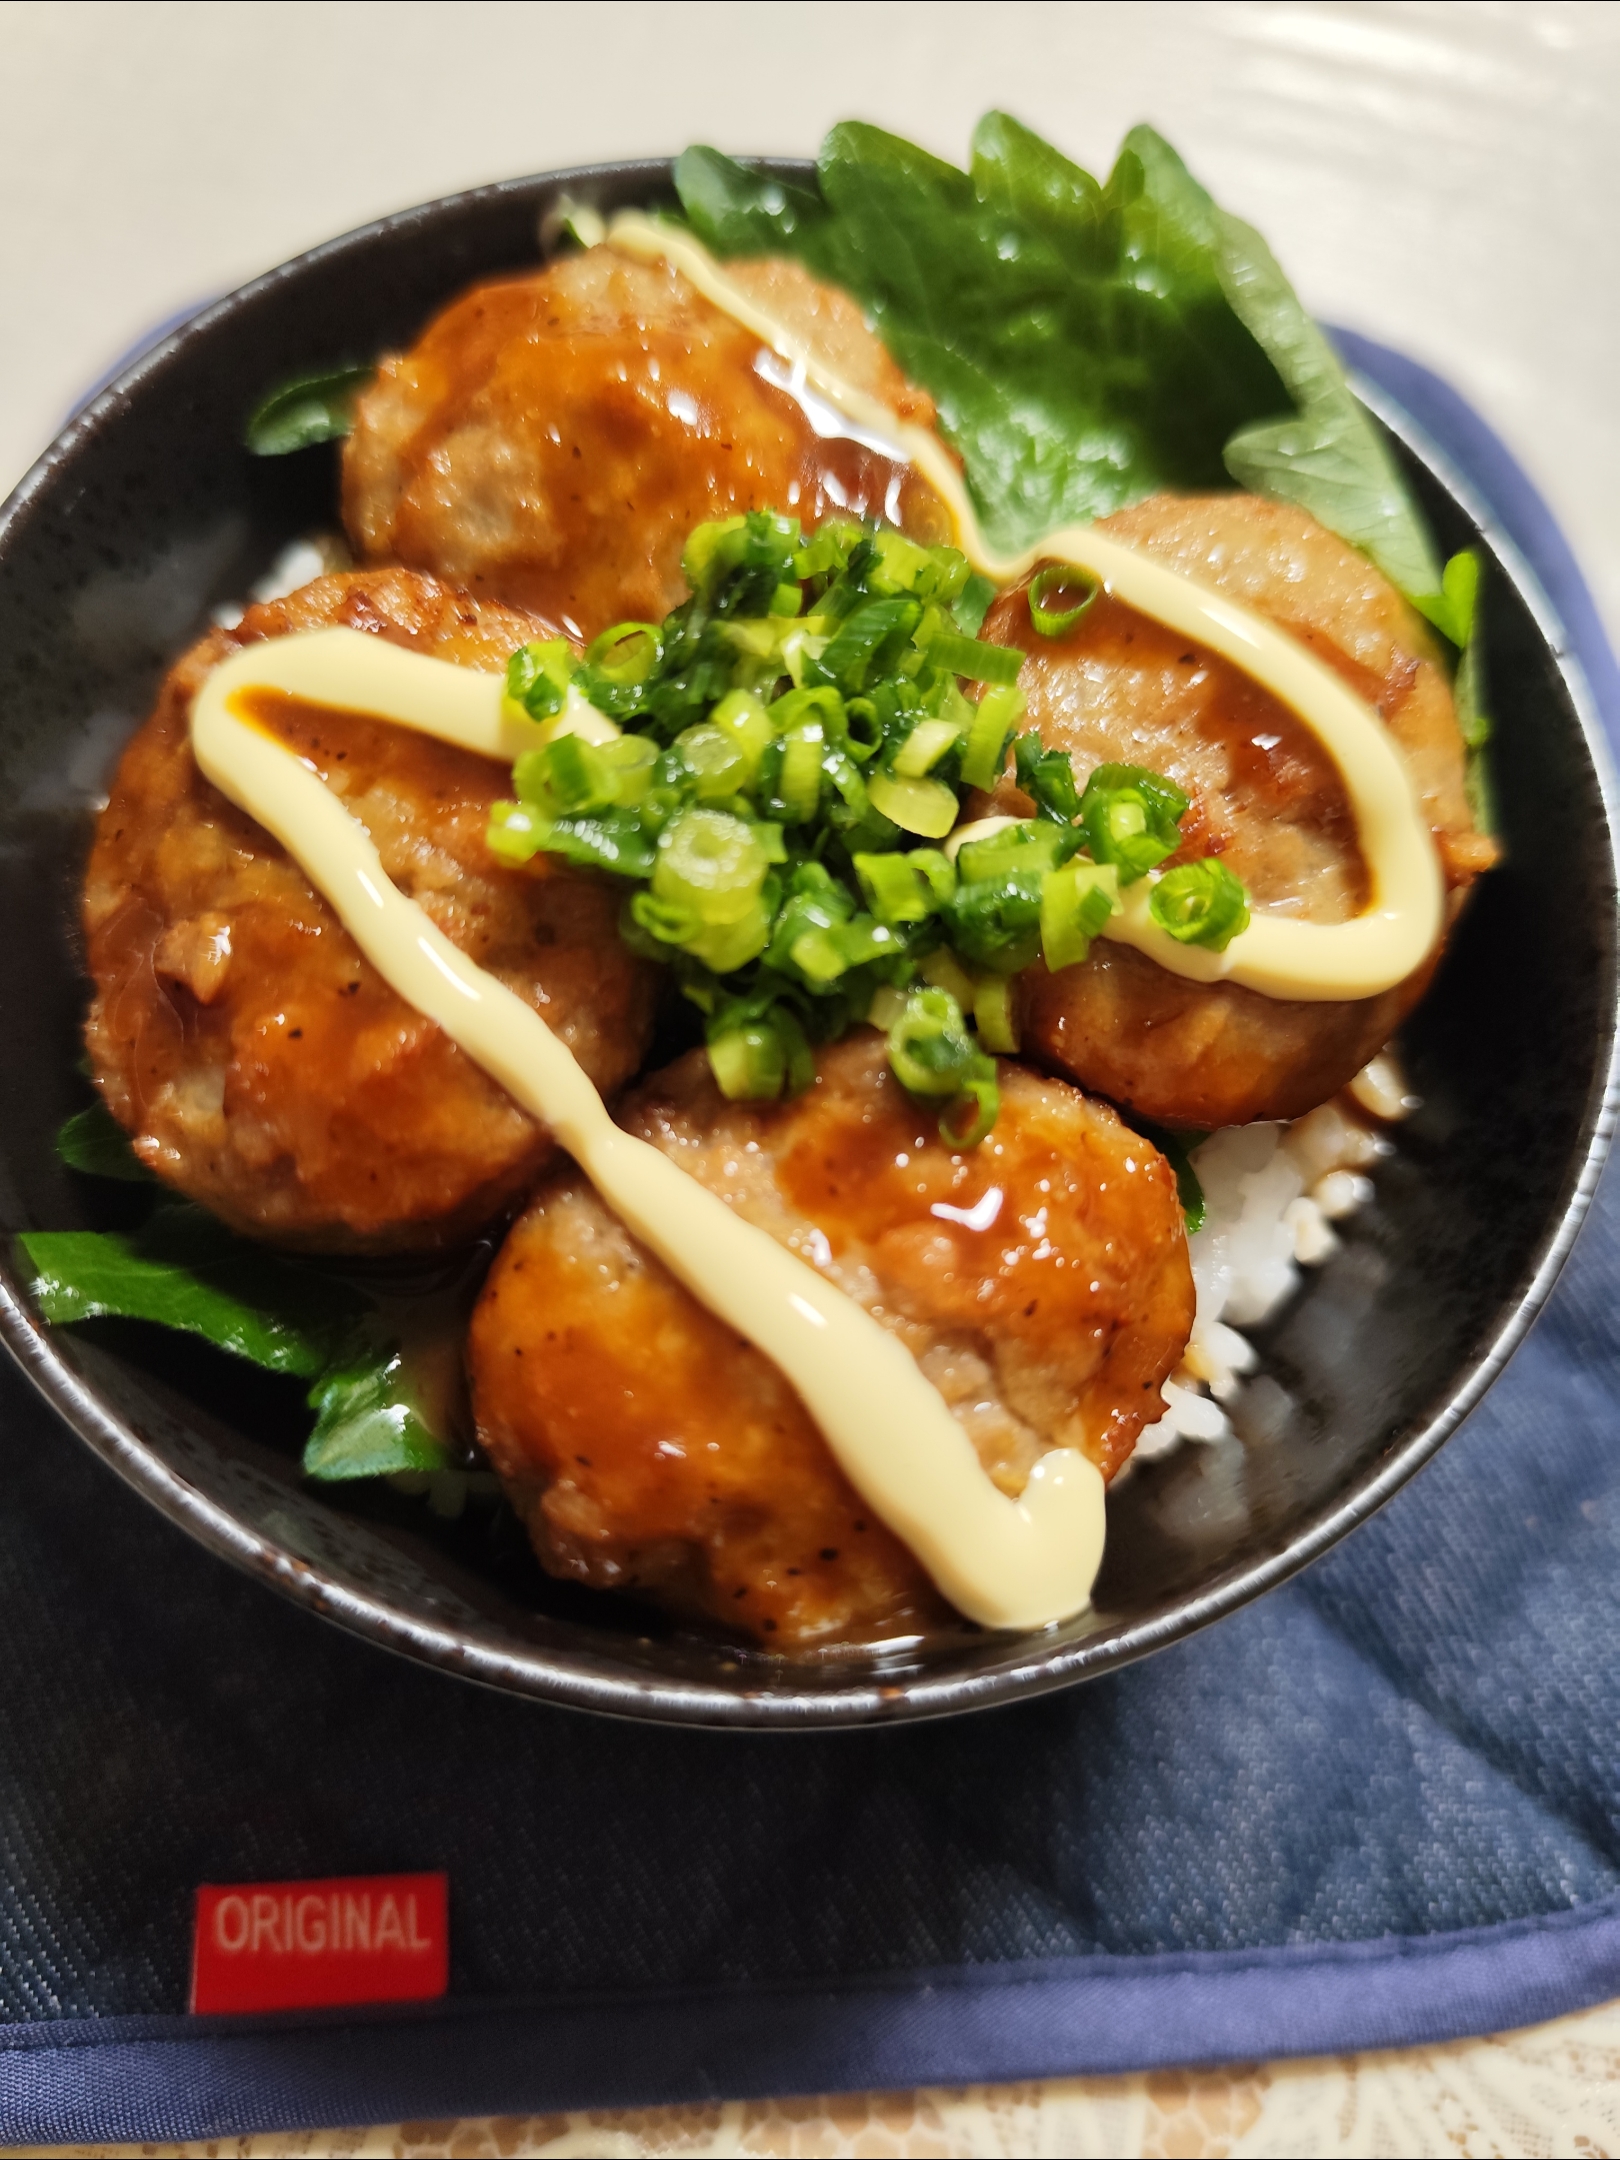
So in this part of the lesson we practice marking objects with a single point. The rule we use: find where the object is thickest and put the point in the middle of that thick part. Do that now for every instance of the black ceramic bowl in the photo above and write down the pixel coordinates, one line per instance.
(147, 513)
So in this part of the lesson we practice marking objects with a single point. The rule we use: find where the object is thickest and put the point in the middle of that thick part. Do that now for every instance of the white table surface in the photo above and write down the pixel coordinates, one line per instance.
(1444, 177)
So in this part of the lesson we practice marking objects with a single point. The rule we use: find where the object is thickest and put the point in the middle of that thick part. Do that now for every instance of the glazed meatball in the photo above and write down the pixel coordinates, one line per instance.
(258, 1062)
(1040, 1280)
(541, 422)
(1265, 798)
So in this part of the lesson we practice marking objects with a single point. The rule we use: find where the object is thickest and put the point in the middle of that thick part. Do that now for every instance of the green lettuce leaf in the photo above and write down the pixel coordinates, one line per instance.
(1086, 344)
(738, 212)
(94, 1142)
(1456, 613)
(308, 409)
(184, 1270)
(369, 1422)
(1177, 1150)
(1331, 458)
(1023, 296)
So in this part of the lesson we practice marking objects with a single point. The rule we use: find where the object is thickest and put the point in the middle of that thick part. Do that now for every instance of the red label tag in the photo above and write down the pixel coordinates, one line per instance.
(301, 1945)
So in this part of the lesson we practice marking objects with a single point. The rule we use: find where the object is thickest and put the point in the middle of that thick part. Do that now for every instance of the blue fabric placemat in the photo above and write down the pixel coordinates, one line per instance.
(1382, 1806)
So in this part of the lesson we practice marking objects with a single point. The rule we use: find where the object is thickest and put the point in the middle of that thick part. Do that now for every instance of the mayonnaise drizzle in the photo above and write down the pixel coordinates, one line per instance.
(1278, 955)
(1005, 1563)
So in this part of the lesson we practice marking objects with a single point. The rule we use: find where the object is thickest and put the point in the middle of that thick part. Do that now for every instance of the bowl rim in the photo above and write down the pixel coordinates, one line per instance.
(569, 1680)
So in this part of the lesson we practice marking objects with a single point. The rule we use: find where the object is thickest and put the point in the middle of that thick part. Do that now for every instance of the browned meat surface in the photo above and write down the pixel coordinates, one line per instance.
(552, 439)
(1121, 689)
(260, 1063)
(1041, 1281)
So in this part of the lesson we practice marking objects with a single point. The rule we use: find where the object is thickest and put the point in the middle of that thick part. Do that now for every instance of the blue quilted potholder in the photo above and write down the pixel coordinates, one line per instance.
(1381, 1806)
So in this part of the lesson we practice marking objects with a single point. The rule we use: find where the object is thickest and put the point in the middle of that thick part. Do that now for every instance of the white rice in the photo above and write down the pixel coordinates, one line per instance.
(300, 563)
(1272, 1194)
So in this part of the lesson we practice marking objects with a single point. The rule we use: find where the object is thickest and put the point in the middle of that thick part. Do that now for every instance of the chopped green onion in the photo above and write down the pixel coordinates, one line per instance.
(819, 703)
(1132, 818)
(531, 776)
(700, 558)
(759, 1056)
(829, 549)
(825, 957)
(793, 729)
(717, 762)
(517, 832)
(948, 578)
(761, 640)
(901, 564)
(819, 936)
(887, 1005)
(815, 901)
(995, 923)
(618, 667)
(934, 1056)
(627, 653)
(646, 923)
(798, 785)
(864, 725)
(578, 778)
(613, 840)
(929, 1046)
(741, 716)
(738, 565)
(972, 1117)
(1058, 596)
(1047, 777)
(1202, 903)
(866, 939)
(749, 1063)
(995, 716)
(571, 776)
(720, 946)
(942, 968)
(972, 604)
(924, 747)
(893, 888)
(1076, 902)
(993, 1014)
(979, 662)
(927, 807)
(905, 888)
(1018, 846)
(538, 675)
(994, 916)
(818, 957)
(859, 645)
(850, 815)
(712, 863)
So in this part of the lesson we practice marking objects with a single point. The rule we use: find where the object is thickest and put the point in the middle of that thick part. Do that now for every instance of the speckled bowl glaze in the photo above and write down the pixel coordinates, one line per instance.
(147, 513)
